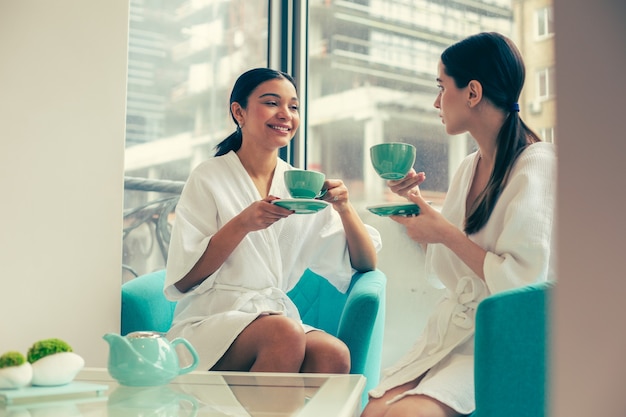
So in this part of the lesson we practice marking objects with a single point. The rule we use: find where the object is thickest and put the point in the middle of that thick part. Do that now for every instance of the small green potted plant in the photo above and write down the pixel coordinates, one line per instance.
(53, 362)
(15, 371)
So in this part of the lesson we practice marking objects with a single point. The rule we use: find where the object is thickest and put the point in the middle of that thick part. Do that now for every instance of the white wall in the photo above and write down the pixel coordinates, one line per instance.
(590, 347)
(62, 117)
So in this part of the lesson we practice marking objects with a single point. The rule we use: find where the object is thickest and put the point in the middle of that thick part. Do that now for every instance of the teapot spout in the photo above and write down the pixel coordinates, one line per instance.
(118, 343)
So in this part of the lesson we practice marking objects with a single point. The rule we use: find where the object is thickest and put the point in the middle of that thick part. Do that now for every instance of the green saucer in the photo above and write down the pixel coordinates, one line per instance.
(395, 209)
(302, 205)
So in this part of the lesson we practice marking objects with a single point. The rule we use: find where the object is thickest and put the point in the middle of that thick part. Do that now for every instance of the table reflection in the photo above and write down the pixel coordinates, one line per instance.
(159, 401)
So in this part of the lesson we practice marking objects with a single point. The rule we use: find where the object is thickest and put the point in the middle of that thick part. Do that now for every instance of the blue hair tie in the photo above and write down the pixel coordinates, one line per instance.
(515, 107)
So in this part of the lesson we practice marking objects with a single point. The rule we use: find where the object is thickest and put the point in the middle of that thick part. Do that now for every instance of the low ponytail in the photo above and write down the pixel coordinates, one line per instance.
(495, 62)
(231, 143)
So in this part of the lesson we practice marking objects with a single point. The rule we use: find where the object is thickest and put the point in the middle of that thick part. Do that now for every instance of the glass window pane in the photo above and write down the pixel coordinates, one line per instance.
(550, 18)
(184, 57)
(375, 82)
(542, 83)
(541, 22)
(545, 21)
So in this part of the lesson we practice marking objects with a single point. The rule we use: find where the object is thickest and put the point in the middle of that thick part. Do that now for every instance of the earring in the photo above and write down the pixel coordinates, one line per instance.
(469, 104)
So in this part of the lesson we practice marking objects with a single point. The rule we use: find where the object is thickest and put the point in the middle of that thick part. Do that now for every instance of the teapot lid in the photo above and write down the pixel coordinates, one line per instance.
(144, 335)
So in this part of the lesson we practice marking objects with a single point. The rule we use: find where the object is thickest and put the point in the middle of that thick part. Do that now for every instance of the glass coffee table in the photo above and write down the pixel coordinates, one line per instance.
(93, 393)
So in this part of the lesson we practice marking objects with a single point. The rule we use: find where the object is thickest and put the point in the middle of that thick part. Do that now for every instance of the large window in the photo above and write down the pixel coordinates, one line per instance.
(367, 70)
(184, 57)
(374, 81)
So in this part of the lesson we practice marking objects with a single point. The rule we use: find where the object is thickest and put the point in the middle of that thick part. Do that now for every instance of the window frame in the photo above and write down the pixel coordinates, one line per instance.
(288, 51)
(545, 76)
(544, 22)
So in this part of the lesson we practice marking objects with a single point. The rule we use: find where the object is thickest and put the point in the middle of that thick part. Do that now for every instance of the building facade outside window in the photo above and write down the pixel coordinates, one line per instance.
(375, 82)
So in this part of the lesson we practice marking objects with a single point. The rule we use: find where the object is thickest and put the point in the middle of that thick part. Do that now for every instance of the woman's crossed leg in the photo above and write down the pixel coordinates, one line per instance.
(409, 406)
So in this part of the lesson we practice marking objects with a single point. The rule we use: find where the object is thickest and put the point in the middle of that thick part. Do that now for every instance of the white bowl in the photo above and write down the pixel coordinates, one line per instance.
(16, 376)
(57, 369)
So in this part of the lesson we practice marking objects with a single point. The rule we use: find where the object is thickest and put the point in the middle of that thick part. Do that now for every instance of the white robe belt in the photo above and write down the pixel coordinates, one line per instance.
(270, 299)
(460, 307)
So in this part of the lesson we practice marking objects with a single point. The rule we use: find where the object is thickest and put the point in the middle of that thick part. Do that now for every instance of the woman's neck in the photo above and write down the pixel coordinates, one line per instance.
(258, 162)
(485, 132)
(260, 167)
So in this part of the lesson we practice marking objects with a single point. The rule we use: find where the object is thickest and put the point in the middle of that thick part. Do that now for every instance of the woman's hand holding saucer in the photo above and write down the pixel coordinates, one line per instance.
(262, 214)
(430, 226)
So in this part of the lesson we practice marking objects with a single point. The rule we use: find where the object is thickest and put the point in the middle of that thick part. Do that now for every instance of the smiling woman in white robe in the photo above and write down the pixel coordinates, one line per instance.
(234, 255)
(267, 264)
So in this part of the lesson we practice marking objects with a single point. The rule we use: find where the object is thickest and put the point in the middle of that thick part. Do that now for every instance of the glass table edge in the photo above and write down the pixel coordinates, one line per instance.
(332, 389)
(314, 380)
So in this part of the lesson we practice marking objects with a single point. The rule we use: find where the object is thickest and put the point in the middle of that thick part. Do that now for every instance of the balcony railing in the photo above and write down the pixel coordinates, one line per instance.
(147, 227)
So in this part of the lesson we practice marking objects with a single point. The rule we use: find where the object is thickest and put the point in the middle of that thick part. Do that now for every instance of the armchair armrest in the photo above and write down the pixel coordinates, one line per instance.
(144, 306)
(511, 352)
(361, 325)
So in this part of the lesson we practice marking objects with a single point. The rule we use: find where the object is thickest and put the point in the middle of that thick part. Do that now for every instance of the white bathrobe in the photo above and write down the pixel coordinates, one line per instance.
(265, 265)
(518, 242)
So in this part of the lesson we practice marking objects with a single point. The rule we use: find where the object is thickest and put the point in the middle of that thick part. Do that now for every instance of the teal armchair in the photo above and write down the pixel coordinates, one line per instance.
(356, 317)
(511, 359)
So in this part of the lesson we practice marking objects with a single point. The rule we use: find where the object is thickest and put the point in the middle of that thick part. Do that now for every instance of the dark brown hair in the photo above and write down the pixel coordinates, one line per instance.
(493, 60)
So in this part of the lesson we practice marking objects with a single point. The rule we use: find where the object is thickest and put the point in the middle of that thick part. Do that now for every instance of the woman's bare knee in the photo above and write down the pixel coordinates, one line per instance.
(272, 343)
(281, 344)
(325, 354)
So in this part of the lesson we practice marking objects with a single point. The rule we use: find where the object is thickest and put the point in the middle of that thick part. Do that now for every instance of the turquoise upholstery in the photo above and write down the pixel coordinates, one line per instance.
(144, 306)
(356, 317)
(512, 353)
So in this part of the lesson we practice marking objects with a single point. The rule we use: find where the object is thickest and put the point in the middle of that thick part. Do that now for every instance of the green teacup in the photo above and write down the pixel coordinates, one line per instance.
(392, 160)
(303, 183)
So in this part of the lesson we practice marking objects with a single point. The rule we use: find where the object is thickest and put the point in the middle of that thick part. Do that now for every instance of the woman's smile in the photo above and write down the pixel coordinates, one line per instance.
(280, 128)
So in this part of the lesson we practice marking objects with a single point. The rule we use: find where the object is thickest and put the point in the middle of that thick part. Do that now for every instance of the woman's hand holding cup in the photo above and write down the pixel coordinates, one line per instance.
(411, 181)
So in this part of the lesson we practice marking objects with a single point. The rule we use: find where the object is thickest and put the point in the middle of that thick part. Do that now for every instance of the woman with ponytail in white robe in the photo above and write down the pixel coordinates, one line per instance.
(494, 231)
